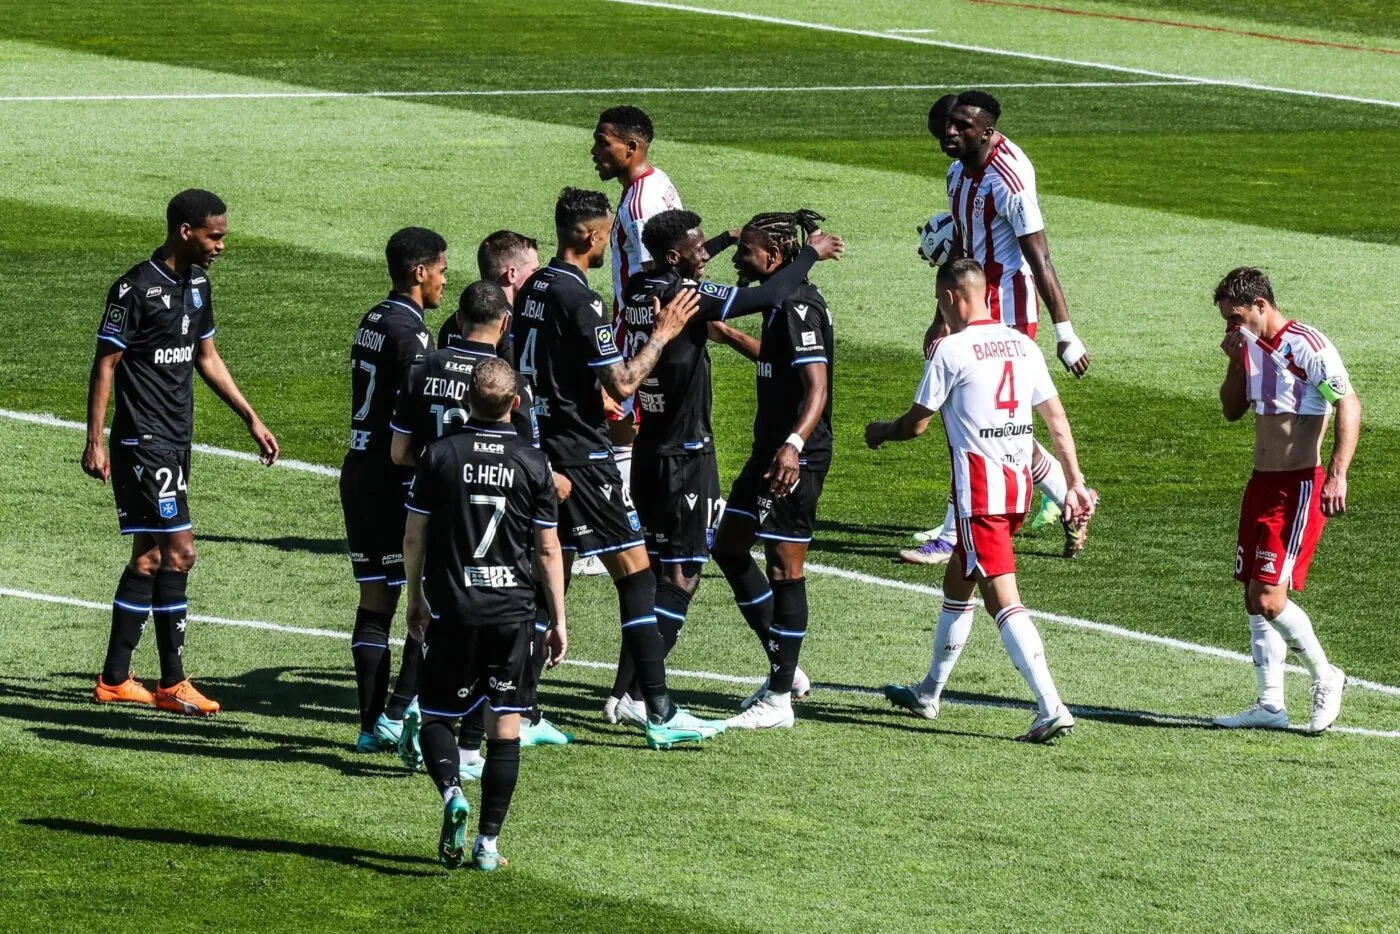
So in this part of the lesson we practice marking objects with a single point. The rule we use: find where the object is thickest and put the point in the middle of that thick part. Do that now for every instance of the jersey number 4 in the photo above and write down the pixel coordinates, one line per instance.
(1006, 390)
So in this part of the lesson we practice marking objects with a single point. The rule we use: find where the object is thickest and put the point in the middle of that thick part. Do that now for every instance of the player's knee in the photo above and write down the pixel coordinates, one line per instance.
(685, 576)
(179, 557)
(1266, 601)
(147, 562)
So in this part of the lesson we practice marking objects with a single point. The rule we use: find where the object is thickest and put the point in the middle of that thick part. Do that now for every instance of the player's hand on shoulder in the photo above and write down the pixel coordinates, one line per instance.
(563, 486)
(1334, 495)
(94, 461)
(268, 449)
(670, 319)
(1079, 505)
(828, 246)
(419, 615)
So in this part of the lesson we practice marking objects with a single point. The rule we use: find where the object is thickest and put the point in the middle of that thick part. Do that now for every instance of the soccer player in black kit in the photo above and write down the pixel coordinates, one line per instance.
(677, 489)
(506, 258)
(482, 513)
(775, 496)
(390, 339)
(157, 329)
(433, 404)
(563, 341)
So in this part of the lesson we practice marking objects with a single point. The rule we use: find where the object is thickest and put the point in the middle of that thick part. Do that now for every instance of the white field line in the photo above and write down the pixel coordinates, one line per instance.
(1146, 716)
(927, 590)
(561, 92)
(1006, 53)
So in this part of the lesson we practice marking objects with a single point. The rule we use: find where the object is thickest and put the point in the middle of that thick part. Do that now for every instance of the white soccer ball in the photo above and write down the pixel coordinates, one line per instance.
(936, 239)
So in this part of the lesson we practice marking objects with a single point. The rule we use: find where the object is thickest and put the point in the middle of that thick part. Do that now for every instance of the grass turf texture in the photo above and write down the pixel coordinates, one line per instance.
(1144, 216)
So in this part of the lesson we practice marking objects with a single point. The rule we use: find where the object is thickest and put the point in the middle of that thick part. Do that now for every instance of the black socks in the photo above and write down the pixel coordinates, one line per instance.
(130, 607)
(755, 599)
(369, 644)
(636, 595)
(168, 610)
(440, 754)
(498, 780)
(406, 685)
(788, 629)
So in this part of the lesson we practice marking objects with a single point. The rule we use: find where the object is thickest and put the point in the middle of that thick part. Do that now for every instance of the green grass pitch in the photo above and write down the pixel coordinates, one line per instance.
(859, 819)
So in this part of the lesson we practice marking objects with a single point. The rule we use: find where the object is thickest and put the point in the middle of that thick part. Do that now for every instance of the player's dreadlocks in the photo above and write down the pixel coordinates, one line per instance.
(780, 230)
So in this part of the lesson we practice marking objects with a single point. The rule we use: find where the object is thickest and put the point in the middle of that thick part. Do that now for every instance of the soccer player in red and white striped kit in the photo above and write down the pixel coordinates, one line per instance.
(997, 222)
(985, 379)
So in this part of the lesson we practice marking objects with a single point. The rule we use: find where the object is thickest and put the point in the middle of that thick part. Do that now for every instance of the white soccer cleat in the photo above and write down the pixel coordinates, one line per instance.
(631, 711)
(592, 566)
(770, 712)
(1044, 729)
(610, 709)
(801, 687)
(1326, 696)
(908, 697)
(1257, 717)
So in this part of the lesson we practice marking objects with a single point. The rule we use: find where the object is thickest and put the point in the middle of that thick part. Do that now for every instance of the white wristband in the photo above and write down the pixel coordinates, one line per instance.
(1064, 331)
(796, 441)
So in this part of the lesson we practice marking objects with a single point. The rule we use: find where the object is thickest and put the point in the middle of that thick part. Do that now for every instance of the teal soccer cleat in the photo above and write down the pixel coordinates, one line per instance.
(681, 728)
(452, 839)
(410, 751)
(543, 733)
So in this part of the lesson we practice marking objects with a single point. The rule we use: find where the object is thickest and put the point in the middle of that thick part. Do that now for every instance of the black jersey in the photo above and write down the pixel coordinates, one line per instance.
(796, 333)
(561, 332)
(390, 339)
(156, 319)
(448, 335)
(432, 401)
(484, 491)
(675, 398)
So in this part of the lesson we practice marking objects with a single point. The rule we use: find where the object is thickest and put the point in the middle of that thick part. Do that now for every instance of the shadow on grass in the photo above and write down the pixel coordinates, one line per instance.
(311, 546)
(343, 855)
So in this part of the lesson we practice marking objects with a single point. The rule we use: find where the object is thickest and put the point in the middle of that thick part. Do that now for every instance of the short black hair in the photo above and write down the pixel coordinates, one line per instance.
(412, 246)
(982, 101)
(193, 206)
(482, 303)
(952, 275)
(785, 231)
(499, 250)
(667, 229)
(938, 113)
(579, 206)
(1241, 286)
(630, 122)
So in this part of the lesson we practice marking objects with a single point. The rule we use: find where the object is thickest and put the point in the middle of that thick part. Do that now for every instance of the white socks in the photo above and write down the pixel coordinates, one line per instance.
(1049, 476)
(469, 756)
(1027, 652)
(484, 842)
(1295, 627)
(954, 626)
(950, 522)
(1269, 651)
(622, 454)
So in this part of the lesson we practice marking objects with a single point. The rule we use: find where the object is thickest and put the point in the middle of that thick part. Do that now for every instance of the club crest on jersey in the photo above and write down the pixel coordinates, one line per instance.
(167, 508)
(185, 324)
(691, 499)
(979, 201)
(153, 291)
(196, 299)
(634, 522)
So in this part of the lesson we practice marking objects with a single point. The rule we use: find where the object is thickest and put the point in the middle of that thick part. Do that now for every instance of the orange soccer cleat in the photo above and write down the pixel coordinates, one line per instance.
(185, 699)
(129, 691)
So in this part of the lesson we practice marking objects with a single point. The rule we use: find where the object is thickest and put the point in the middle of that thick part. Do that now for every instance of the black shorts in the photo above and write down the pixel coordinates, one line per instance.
(150, 485)
(464, 666)
(373, 504)
(677, 497)
(789, 519)
(598, 516)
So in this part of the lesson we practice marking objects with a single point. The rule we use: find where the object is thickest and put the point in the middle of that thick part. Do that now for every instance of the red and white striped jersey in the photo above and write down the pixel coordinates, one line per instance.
(984, 380)
(1299, 372)
(991, 208)
(649, 194)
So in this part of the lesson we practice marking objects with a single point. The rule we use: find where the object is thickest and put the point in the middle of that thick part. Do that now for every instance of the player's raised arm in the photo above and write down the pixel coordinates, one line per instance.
(216, 376)
(905, 428)
(622, 378)
(745, 344)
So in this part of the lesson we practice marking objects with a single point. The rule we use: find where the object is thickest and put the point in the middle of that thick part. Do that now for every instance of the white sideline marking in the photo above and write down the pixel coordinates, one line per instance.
(1007, 53)
(556, 92)
(927, 590)
(1176, 719)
